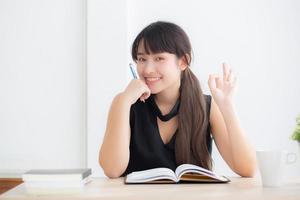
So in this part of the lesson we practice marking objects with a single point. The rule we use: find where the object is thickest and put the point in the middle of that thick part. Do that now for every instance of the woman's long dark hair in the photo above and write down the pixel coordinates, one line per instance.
(191, 139)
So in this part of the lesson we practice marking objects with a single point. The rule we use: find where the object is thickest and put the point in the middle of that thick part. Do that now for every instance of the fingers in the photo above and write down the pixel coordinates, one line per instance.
(230, 76)
(219, 82)
(142, 99)
(223, 85)
(211, 82)
(214, 81)
(226, 72)
(232, 79)
(146, 94)
(234, 82)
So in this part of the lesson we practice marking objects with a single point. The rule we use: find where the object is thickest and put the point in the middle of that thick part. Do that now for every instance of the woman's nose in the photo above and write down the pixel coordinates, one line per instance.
(149, 67)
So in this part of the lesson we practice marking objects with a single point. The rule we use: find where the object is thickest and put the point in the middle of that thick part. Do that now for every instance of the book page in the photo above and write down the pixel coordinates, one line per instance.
(151, 175)
(189, 168)
(184, 167)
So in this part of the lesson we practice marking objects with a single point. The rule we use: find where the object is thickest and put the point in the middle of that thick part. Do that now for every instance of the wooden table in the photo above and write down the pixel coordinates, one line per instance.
(103, 188)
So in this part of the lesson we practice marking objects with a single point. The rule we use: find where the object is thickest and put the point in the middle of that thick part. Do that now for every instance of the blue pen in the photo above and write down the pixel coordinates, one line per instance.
(132, 71)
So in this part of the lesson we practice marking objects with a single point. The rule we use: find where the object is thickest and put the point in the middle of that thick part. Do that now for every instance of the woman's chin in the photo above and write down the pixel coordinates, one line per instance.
(155, 90)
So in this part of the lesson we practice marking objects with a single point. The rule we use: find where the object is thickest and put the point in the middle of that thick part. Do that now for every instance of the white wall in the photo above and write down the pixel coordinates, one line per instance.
(259, 39)
(42, 81)
(107, 61)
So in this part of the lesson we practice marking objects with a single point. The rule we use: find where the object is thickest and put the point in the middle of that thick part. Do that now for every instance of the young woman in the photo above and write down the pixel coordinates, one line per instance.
(163, 119)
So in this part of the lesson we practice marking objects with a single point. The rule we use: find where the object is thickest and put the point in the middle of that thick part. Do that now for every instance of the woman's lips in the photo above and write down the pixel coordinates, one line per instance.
(152, 80)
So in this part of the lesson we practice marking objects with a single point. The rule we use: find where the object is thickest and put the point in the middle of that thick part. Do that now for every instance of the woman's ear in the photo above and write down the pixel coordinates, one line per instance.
(183, 62)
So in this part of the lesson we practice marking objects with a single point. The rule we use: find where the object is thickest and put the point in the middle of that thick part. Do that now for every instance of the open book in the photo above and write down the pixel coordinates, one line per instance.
(183, 173)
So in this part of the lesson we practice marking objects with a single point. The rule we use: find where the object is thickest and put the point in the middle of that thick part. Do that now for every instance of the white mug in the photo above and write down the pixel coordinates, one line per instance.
(271, 165)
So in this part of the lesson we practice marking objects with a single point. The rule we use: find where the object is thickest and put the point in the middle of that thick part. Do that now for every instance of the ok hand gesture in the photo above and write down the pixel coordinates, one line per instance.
(223, 88)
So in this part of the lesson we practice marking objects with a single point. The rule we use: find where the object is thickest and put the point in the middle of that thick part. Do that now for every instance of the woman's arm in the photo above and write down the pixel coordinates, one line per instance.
(226, 129)
(114, 152)
(231, 141)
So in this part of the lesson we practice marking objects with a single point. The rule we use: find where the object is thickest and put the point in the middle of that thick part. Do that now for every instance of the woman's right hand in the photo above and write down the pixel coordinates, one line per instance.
(137, 89)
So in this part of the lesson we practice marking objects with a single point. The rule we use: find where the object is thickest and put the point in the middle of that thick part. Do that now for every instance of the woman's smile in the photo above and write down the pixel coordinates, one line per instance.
(152, 80)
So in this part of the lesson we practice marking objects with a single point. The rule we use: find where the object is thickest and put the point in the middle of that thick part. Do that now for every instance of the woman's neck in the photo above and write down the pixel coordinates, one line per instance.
(166, 100)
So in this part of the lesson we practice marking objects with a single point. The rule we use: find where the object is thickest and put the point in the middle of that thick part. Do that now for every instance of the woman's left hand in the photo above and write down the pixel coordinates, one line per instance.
(222, 89)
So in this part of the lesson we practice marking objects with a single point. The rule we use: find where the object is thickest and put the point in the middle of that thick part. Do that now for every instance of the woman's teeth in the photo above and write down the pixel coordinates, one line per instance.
(153, 79)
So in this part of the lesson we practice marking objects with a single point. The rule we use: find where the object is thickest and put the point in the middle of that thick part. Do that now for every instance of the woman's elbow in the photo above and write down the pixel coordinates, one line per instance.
(112, 173)
(248, 171)
(247, 174)
(110, 170)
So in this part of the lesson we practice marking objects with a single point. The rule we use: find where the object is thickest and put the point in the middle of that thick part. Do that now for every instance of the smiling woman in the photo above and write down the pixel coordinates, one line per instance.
(174, 122)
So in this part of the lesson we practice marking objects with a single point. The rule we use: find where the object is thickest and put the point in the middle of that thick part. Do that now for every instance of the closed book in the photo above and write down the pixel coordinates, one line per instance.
(56, 175)
(57, 184)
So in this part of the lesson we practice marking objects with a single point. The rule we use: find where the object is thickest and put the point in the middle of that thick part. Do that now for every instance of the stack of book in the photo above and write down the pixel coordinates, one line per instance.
(56, 178)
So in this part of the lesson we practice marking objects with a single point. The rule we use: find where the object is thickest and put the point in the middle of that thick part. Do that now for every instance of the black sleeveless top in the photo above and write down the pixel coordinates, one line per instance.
(147, 149)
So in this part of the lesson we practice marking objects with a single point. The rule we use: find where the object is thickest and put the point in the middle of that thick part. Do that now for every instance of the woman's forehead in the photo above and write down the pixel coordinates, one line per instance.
(141, 47)
(143, 51)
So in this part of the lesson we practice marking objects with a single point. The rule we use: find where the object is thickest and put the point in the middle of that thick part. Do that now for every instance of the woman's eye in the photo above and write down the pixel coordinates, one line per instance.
(141, 59)
(159, 59)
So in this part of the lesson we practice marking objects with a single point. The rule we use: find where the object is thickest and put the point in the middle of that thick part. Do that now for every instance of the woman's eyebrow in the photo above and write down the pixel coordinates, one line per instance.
(154, 54)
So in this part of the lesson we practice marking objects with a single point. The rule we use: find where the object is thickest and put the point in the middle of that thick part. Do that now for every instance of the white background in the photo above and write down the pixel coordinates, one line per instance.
(42, 84)
(258, 39)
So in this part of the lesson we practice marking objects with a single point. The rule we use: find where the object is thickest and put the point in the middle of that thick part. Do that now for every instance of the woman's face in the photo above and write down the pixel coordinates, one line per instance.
(160, 71)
